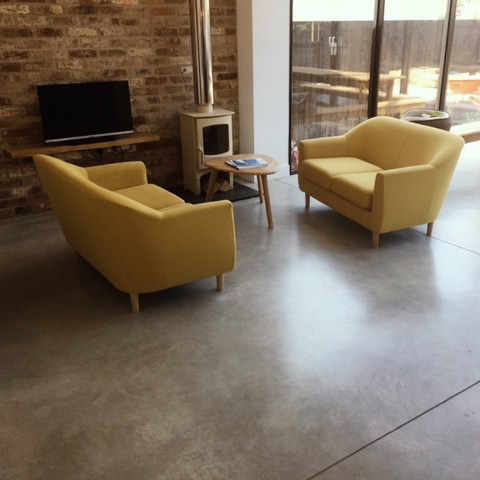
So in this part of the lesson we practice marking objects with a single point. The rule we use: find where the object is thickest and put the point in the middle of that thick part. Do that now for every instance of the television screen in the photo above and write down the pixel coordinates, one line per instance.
(82, 111)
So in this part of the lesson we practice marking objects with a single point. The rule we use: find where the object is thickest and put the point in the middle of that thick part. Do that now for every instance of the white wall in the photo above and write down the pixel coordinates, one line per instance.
(263, 31)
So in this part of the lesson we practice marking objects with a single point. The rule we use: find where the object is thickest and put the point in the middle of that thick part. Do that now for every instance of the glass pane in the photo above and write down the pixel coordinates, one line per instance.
(410, 55)
(463, 89)
(331, 44)
(216, 139)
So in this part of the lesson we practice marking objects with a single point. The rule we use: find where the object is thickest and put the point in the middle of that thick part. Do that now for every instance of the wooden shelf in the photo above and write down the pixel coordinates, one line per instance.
(469, 131)
(49, 149)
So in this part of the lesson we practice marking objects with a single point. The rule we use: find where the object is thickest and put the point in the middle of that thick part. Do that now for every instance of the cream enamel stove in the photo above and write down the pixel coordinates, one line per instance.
(206, 132)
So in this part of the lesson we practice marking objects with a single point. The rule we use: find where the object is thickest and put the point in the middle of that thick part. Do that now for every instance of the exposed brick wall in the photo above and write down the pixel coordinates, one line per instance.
(144, 41)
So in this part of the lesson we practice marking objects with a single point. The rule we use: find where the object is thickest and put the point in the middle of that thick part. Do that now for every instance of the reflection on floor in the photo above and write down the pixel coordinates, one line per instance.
(323, 358)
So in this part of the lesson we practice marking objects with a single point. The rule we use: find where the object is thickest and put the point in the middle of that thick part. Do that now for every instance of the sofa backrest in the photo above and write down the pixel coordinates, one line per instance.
(86, 212)
(392, 143)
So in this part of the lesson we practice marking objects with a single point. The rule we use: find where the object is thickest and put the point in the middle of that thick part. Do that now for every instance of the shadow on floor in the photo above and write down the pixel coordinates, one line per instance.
(239, 192)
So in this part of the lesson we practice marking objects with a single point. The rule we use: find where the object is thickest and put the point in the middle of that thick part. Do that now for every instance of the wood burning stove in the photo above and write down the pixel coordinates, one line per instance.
(206, 132)
(204, 136)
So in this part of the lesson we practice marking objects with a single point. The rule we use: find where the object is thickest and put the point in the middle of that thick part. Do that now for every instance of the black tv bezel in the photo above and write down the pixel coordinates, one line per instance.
(55, 99)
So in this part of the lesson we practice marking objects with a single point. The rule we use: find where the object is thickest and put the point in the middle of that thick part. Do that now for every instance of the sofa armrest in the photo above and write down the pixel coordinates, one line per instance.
(403, 197)
(323, 148)
(143, 250)
(204, 231)
(115, 176)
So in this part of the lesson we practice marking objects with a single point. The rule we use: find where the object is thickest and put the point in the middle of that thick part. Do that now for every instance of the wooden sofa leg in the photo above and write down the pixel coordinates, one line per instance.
(375, 239)
(307, 200)
(430, 229)
(134, 302)
(220, 282)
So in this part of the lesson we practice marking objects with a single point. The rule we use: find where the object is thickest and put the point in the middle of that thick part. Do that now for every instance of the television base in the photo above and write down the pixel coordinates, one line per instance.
(88, 141)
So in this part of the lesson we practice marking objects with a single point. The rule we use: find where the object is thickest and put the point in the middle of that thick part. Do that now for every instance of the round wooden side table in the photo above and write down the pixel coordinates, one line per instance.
(218, 165)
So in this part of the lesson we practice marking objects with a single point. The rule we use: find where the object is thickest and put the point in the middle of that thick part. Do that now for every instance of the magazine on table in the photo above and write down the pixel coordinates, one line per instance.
(247, 163)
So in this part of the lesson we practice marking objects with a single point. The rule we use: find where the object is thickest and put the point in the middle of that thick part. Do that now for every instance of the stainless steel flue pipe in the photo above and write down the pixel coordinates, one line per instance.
(202, 54)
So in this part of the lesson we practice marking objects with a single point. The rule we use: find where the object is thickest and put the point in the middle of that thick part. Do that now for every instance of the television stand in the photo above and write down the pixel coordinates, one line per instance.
(49, 149)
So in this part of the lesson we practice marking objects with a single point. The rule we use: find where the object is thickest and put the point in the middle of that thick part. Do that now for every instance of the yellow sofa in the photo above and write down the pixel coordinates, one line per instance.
(141, 237)
(385, 174)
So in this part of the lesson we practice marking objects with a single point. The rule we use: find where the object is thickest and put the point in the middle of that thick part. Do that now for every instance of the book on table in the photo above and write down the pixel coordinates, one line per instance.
(245, 163)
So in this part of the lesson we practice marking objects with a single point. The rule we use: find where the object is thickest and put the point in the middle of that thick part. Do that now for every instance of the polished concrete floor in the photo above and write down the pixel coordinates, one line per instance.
(323, 358)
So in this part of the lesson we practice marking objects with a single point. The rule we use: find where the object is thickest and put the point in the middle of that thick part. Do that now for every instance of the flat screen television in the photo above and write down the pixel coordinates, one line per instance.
(85, 112)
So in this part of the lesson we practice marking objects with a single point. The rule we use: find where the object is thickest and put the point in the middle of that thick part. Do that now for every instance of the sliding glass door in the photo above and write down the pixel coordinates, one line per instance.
(410, 55)
(462, 99)
(331, 45)
(351, 60)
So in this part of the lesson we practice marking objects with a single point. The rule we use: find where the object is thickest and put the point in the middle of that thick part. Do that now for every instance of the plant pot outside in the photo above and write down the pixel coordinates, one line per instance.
(429, 118)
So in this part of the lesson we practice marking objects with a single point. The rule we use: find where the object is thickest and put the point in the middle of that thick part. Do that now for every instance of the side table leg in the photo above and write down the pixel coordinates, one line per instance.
(260, 188)
(266, 195)
(211, 185)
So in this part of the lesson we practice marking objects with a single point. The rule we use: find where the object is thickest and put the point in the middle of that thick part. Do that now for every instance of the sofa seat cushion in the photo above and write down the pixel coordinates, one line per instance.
(356, 188)
(322, 171)
(151, 196)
